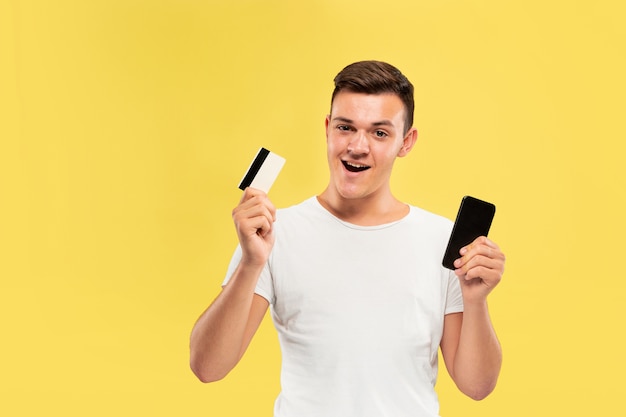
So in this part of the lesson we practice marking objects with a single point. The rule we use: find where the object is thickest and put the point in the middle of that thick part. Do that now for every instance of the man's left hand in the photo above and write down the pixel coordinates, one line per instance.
(479, 269)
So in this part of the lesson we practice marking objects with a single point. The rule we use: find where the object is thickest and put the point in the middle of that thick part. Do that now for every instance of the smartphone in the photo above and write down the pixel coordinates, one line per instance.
(472, 220)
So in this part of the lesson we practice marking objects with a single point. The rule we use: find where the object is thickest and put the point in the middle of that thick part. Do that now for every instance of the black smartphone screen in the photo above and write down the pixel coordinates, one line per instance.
(472, 220)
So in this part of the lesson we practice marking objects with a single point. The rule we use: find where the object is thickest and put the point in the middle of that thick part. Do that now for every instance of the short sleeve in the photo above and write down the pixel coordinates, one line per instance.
(264, 287)
(454, 299)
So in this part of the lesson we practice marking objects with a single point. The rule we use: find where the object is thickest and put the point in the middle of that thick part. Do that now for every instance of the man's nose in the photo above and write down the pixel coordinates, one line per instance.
(359, 144)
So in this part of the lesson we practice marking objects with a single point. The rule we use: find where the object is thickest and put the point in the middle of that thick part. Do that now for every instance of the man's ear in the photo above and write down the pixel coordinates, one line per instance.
(408, 142)
(326, 124)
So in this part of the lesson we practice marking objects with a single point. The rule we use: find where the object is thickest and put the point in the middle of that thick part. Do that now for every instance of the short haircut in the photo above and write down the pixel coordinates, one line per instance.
(376, 77)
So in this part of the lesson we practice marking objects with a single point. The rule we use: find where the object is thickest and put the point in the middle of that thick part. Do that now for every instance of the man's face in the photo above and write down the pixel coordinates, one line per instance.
(365, 134)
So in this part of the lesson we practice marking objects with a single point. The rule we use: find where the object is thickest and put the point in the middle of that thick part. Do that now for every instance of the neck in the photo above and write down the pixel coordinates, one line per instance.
(366, 211)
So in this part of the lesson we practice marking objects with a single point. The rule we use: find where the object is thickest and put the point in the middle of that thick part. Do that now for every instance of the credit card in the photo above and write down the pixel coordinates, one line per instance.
(263, 171)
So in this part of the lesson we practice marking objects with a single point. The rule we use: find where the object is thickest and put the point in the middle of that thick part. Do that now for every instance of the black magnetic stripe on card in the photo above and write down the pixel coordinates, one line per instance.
(254, 168)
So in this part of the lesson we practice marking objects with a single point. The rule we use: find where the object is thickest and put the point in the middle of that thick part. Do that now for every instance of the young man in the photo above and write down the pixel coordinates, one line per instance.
(354, 277)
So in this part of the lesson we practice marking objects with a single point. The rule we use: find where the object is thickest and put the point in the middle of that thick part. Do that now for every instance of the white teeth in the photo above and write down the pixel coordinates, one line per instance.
(356, 165)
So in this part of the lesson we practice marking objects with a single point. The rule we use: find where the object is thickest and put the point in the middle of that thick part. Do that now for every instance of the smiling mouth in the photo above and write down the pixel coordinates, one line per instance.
(352, 167)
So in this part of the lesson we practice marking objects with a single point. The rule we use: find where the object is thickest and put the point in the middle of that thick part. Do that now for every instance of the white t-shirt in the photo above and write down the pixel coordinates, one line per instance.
(359, 312)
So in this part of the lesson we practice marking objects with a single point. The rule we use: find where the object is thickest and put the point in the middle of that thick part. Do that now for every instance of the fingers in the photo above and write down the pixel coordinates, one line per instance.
(252, 197)
(254, 217)
(481, 259)
(254, 214)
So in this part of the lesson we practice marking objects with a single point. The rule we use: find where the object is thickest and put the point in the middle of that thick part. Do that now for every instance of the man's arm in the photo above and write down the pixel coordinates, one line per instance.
(224, 331)
(469, 344)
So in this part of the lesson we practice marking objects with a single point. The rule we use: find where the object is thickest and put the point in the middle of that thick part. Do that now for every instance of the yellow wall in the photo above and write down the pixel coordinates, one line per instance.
(125, 127)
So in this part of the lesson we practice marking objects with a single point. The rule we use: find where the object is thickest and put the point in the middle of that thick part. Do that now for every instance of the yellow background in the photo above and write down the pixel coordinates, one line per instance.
(126, 126)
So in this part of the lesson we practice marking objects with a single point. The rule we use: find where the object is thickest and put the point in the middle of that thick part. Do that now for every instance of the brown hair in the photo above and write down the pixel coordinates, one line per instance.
(376, 77)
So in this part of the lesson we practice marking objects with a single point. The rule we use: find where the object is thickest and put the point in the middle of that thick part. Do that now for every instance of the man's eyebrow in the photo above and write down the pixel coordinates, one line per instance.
(341, 119)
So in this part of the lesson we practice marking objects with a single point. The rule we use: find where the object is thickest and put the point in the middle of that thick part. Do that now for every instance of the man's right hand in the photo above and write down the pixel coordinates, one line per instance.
(254, 217)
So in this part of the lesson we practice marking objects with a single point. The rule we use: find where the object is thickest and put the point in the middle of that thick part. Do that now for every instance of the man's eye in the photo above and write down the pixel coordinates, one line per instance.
(343, 127)
(380, 134)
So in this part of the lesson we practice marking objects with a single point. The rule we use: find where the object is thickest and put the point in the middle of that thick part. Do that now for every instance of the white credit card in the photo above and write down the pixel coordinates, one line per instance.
(263, 171)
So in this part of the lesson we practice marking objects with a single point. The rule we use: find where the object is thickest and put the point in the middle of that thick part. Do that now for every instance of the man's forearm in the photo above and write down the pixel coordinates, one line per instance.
(478, 358)
(217, 338)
